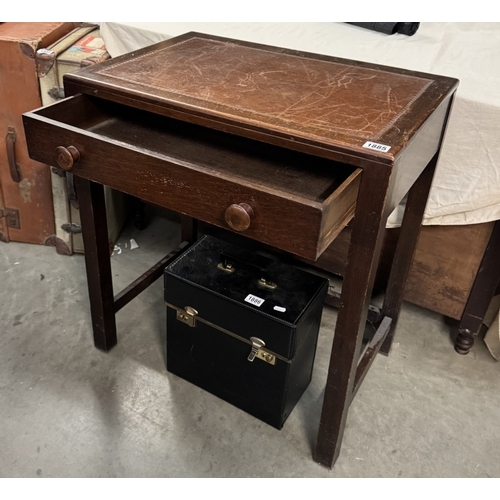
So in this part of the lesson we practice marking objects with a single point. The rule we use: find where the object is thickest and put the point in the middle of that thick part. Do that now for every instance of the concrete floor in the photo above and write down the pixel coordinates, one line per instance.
(69, 410)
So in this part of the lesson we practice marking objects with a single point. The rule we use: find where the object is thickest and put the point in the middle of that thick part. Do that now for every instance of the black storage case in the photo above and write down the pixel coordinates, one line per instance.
(223, 304)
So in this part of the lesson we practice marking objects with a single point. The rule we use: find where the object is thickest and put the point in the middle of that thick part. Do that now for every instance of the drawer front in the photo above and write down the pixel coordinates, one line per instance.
(290, 223)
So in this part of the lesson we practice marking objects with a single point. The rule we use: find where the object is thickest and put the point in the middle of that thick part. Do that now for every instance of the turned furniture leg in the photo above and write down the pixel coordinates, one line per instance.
(405, 249)
(483, 289)
(465, 340)
(366, 241)
(97, 261)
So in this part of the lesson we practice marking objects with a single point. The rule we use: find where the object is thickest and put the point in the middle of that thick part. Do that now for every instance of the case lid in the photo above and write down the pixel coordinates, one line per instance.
(285, 297)
(36, 34)
(289, 96)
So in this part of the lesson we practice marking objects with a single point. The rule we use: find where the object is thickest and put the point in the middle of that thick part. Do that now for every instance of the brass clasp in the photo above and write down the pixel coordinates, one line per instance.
(257, 345)
(226, 266)
(259, 352)
(267, 283)
(188, 316)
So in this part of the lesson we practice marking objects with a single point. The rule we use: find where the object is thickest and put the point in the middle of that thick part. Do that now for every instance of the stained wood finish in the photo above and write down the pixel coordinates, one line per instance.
(202, 72)
(367, 235)
(169, 162)
(301, 100)
(371, 352)
(238, 101)
(405, 250)
(97, 261)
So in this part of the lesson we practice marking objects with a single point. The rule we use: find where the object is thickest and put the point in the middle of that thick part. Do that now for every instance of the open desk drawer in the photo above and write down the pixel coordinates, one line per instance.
(289, 200)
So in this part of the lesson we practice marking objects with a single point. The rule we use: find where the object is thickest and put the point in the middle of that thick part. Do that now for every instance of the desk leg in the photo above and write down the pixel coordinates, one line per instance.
(405, 249)
(98, 262)
(189, 229)
(364, 250)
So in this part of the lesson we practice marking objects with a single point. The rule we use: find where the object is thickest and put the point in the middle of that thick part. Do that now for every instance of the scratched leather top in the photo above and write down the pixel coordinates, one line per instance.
(323, 100)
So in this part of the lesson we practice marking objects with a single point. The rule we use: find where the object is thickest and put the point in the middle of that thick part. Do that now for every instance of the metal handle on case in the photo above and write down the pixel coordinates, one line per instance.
(10, 142)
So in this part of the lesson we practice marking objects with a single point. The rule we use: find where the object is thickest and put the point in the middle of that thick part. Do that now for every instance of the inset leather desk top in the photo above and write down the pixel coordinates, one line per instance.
(319, 99)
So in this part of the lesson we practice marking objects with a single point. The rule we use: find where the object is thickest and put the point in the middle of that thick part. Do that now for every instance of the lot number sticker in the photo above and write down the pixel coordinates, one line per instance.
(376, 146)
(256, 301)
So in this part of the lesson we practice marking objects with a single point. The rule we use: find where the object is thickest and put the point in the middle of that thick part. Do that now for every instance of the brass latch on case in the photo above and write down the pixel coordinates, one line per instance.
(258, 352)
(228, 262)
(188, 316)
(267, 283)
(227, 267)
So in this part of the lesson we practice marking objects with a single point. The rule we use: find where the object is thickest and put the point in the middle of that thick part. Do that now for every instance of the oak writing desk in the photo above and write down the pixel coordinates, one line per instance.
(280, 146)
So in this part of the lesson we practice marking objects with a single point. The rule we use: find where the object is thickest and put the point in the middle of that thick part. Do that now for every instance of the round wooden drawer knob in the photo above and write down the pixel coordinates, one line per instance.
(67, 157)
(239, 216)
